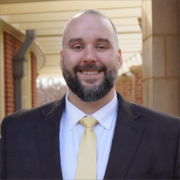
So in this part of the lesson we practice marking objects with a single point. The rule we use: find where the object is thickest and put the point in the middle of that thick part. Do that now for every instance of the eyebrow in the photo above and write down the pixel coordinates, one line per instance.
(74, 40)
(104, 40)
(80, 40)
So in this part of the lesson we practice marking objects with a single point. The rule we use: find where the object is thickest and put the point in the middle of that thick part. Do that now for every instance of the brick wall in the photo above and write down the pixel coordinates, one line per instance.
(124, 87)
(33, 79)
(11, 46)
(137, 84)
(130, 87)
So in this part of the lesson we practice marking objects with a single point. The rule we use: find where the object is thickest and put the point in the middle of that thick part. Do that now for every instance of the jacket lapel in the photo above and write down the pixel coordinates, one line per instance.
(125, 142)
(48, 140)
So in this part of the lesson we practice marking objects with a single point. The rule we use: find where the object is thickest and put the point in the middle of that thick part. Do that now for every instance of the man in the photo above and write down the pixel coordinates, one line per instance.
(126, 140)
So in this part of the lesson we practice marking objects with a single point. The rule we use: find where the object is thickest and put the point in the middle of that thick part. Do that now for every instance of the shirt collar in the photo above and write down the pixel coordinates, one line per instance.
(107, 113)
(104, 116)
(73, 114)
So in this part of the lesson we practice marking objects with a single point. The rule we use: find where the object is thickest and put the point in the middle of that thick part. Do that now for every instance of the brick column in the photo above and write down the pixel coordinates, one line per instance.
(137, 84)
(11, 46)
(124, 86)
(33, 79)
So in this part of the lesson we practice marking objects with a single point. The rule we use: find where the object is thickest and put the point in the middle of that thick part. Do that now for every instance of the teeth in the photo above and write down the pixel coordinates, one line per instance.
(90, 72)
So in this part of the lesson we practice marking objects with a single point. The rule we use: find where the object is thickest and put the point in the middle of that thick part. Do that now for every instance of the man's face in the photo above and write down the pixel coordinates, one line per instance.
(90, 59)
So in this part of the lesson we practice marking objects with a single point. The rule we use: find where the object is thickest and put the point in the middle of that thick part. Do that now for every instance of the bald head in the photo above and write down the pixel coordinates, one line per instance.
(95, 13)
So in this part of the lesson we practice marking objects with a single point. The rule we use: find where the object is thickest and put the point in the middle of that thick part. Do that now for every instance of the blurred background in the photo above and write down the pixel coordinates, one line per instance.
(30, 43)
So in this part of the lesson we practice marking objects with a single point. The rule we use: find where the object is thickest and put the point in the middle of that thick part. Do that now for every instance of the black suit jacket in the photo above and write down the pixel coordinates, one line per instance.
(145, 144)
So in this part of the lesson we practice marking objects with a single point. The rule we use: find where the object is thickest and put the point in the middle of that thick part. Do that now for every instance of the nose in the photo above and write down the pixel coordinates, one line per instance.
(89, 55)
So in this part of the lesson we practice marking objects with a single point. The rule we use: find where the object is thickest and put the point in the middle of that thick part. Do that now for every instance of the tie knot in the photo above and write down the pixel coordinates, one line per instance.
(88, 122)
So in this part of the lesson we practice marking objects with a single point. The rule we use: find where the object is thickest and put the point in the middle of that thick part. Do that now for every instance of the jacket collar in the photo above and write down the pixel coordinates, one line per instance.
(127, 136)
(47, 131)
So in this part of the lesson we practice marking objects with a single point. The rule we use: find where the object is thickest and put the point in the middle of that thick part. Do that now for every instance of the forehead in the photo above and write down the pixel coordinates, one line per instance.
(89, 25)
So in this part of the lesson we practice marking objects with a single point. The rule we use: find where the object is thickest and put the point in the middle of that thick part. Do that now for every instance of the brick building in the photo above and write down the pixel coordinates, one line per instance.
(130, 86)
(11, 46)
(11, 41)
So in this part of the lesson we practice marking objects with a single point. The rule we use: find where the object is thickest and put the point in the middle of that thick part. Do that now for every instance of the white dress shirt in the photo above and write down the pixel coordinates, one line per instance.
(71, 132)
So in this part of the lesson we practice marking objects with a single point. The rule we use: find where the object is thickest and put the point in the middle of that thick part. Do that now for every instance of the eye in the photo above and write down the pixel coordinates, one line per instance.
(77, 47)
(101, 47)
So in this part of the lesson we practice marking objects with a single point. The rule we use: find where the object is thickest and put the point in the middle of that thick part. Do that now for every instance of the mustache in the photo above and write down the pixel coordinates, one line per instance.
(90, 67)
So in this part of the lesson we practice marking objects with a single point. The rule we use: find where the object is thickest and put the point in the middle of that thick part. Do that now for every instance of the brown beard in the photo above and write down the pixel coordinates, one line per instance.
(96, 92)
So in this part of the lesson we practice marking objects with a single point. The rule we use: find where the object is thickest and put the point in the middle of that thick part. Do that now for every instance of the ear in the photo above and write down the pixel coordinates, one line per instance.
(120, 58)
(61, 59)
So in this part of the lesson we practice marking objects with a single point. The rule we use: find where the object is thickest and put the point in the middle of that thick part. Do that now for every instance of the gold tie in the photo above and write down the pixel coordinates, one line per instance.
(86, 165)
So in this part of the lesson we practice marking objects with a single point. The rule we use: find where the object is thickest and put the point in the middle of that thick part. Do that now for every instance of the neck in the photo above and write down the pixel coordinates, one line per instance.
(90, 107)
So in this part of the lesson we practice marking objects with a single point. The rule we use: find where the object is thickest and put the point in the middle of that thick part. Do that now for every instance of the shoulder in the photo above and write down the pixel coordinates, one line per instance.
(150, 118)
(156, 116)
(27, 117)
(159, 124)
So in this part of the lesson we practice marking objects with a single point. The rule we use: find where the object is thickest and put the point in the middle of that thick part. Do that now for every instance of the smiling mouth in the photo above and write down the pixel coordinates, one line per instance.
(90, 69)
(90, 72)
